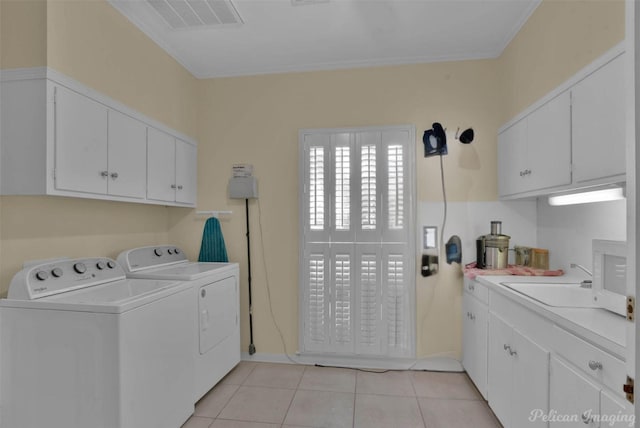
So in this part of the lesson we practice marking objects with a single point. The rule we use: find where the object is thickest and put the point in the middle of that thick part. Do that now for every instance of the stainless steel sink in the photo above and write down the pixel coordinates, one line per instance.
(568, 295)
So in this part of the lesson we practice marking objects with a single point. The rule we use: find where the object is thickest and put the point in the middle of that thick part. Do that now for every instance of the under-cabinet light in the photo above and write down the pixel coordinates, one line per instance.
(602, 195)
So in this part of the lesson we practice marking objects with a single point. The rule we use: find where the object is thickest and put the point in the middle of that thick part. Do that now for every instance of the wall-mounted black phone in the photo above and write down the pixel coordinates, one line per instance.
(435, 141)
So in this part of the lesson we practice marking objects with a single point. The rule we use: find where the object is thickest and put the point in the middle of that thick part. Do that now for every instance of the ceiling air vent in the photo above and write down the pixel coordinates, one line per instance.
(307, 2)
(181, 14)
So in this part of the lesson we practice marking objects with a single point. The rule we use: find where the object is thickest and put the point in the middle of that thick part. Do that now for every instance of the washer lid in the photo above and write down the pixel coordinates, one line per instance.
(111, 297)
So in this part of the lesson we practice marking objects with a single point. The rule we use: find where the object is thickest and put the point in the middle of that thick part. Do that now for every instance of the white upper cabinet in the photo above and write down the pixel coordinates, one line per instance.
(186, 172)
(598, 119)
(549, 142)
(161, 173)
(171, 174)
(512, 155)
(574, 137)
(80, 143)
(535, 152)
(62, 138)
(127, 156)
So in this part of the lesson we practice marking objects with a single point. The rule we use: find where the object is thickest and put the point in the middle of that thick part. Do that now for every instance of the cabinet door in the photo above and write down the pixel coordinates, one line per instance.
(161, 166)
(468, 338)
(512, 155)
(549, 144)
(572, 395)
(530, 382)
(598, 123)
(80, 143)
(617, 411)
(127, 156)
(475, 341)
(500, 369)
(186, 172)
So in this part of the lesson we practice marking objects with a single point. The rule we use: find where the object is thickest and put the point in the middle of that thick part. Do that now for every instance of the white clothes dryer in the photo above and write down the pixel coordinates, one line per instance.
(83, 346)
(216, 301)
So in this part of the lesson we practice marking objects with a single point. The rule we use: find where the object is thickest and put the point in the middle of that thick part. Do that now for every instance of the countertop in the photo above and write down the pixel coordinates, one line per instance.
(598, 326)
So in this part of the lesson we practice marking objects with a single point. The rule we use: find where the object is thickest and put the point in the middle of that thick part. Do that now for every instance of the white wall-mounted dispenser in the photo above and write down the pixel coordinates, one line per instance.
(243, 188)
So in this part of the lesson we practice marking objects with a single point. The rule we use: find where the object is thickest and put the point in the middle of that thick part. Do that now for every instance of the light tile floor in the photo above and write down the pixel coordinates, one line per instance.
(261, 395)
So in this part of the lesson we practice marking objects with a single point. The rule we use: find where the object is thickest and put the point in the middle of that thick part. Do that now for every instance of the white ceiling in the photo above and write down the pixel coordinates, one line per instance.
(278, 36)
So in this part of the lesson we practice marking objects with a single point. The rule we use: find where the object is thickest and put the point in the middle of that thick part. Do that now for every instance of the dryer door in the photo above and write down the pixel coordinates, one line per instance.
(218, 309)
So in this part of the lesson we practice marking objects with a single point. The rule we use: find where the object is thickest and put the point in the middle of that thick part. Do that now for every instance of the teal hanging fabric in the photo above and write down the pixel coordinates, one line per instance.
(212, 248)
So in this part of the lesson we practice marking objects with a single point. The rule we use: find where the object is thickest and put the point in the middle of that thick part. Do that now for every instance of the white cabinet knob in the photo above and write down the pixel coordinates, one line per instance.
(587, 418)
(104, 174)
(114, 175)
(173, 186)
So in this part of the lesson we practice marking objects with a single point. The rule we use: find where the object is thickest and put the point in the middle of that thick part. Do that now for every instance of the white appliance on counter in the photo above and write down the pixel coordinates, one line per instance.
(610, 275)
(215, 299)
(83, 346)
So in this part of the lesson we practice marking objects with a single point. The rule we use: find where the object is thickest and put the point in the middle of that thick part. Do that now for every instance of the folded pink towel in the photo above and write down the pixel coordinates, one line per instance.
(471, 271)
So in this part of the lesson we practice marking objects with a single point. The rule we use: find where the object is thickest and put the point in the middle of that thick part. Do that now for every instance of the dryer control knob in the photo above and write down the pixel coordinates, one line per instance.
(157, 252)
(169, 251)
(42, 275)
(176, 250)
(111, 264)
(56, 272)
(80, 268)
(101, 265)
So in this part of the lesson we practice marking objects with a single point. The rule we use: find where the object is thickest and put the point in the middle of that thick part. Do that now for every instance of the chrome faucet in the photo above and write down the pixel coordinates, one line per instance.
(587, 282)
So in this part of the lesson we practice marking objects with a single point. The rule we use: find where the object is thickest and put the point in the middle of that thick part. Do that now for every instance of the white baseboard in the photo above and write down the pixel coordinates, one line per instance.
(439, 364)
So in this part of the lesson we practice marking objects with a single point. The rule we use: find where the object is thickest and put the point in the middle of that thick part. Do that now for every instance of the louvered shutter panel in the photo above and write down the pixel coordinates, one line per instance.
(316, 196)
(368, 198)
(369, 297)
(317, 297)
(396, 150)
(396, 299)
(341, 187)
(342, 295)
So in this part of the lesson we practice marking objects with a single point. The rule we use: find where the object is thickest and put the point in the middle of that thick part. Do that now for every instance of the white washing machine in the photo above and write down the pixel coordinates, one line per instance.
(83, 346)
(216, 301)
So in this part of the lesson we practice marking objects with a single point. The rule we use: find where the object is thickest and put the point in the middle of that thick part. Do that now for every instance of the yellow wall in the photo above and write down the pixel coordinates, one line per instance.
(559, 39)
(256, 119)
(93, 43)
(23, 33)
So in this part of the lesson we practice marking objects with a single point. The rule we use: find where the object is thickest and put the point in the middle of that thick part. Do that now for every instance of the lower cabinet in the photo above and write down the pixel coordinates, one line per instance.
(573, 398)
(577, 401)
(474, 339)
(518, 371)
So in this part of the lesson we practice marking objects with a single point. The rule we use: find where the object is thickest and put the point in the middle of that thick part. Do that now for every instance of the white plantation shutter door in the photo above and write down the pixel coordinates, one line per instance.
(357, 275)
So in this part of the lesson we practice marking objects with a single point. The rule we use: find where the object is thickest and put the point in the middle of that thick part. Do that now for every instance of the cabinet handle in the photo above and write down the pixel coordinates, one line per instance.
(472, 287)
(173, 186)
(595, 365)
(114, 175)
(473, 317)
(104, 173)
(180, 187)
(512, 353)
(587, 418)
(507, 348)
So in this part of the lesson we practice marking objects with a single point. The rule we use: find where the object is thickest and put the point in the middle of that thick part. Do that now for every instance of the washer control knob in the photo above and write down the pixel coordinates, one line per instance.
(111, 264)
(80, 267)
(176, 250)
(157, 252)
(56, 272)
(41, 275)
(169, 251)
(101, 265)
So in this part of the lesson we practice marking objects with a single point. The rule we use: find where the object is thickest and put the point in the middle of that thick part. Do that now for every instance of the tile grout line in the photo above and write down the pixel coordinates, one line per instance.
(295, 391)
